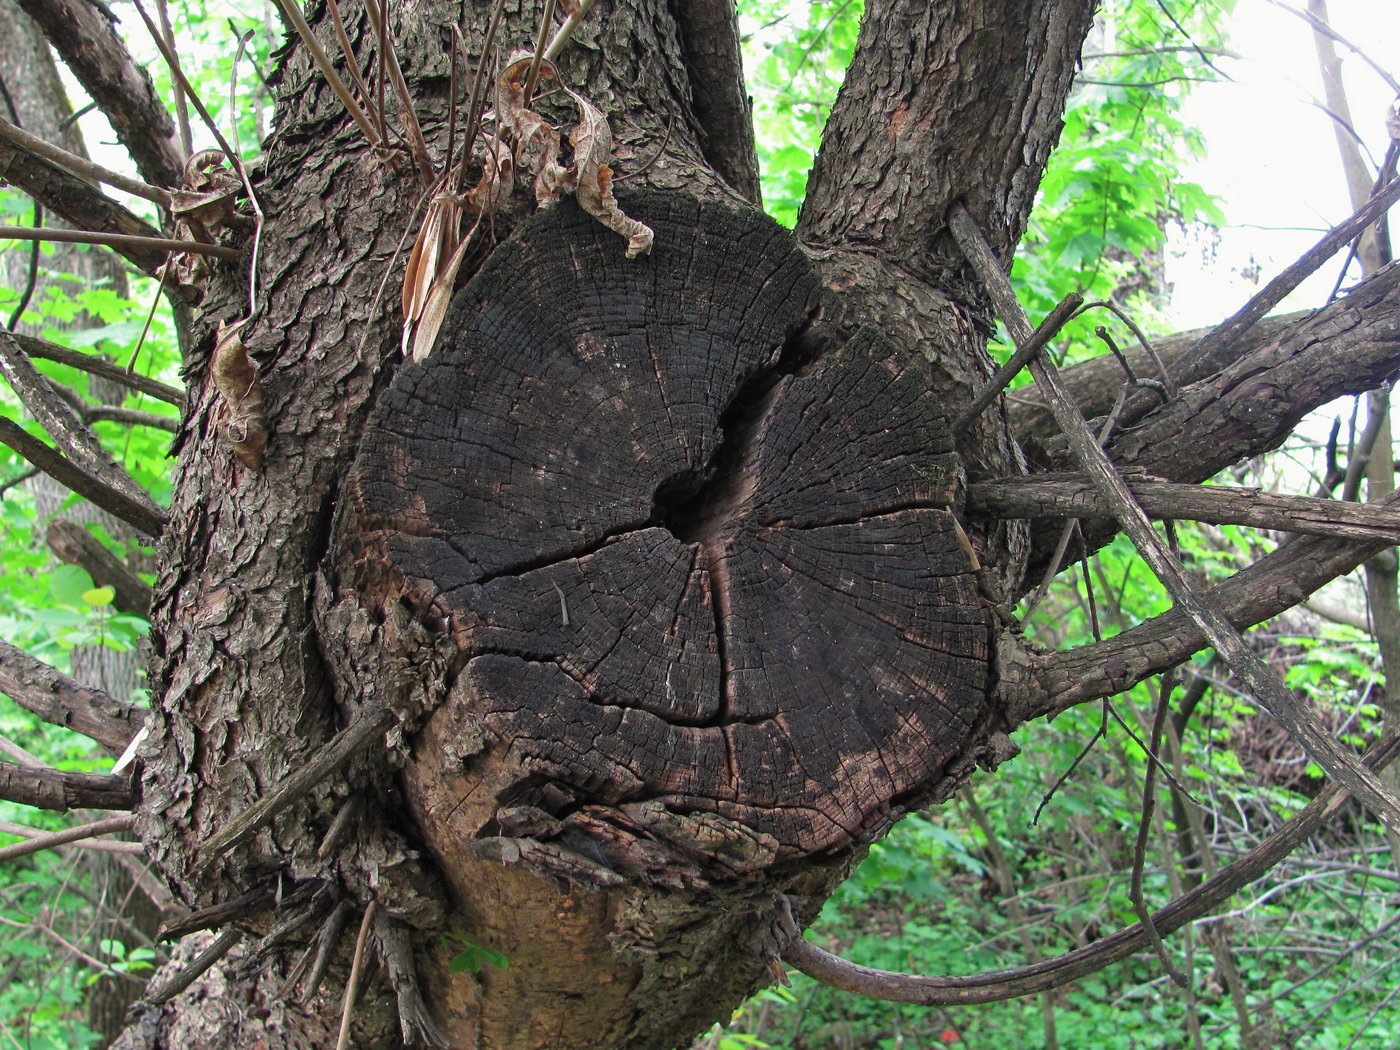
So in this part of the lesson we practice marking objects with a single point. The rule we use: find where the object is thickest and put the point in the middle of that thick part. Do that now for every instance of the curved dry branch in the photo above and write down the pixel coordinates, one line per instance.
(85, 35)
(1278, 581)
(59, 700)
(1054, 973)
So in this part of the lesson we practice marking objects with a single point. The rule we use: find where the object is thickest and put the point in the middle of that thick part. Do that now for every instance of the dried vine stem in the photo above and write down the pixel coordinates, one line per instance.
(1264, 683)
(1054, 973)
(52, 839)
(352, 986)
(82, 166)
(118, 240)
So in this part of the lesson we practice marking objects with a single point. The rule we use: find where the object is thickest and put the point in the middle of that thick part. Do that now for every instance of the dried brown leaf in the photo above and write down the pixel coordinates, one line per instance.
(236, 378)
(592, 142)
(536, 139)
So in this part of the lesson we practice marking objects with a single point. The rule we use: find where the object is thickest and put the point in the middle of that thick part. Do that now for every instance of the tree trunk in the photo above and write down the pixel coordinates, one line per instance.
(631, 616)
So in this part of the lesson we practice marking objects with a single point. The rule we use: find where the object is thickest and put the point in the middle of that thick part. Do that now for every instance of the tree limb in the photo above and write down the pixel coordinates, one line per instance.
(80, 203)
(1269, 586)
(86, 36)
(958, 115)
(51, 789)
(59, 700)
(1053, 973)
(1072, 496)
(42, 349)
(69, 432)
(138, 515)
(709, 32)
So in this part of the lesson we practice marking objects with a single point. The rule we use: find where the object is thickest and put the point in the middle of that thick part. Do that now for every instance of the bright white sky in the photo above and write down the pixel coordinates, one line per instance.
(1271, 153)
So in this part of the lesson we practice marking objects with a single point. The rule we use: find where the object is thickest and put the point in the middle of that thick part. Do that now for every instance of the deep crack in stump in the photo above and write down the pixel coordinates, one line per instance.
(696, 556)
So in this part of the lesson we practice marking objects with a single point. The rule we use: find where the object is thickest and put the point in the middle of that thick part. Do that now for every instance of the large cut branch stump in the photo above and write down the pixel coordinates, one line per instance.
(697, 565)
(711, 616)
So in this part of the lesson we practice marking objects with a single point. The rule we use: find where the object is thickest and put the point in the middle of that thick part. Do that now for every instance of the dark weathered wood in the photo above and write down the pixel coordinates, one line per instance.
(46, 788)
(679, 570)
(58, 700)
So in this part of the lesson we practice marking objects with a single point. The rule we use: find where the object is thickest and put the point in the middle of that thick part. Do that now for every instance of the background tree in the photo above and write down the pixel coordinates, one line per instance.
(603, 641)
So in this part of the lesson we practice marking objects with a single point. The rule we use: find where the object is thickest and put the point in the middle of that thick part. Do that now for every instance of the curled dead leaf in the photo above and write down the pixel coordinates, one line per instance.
(236, 379)
(536, 139)
(592, 142)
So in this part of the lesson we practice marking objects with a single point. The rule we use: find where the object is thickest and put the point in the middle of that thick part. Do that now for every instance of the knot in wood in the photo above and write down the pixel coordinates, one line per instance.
(699, 561)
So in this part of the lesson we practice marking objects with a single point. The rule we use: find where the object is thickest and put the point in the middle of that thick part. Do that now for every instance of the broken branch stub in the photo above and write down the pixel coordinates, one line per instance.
(711, 608)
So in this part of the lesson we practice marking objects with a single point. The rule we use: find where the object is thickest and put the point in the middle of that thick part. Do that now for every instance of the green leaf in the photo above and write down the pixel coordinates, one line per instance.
(99, 597)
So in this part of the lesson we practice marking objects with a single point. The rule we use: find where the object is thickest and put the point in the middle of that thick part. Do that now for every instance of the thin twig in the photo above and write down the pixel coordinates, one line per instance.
(1047, 330)
(388, 58)
(118, 240)
(532, 75)
(323, 63)
(82, 166)
(352, 986)
(566, 31)
(46, 351)
(48, 840)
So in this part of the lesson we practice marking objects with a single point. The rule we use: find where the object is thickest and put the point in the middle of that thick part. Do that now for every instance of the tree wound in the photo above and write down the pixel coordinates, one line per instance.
(704, 578)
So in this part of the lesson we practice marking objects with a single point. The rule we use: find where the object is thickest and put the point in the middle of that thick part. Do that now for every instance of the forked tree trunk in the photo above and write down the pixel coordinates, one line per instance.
(654, 568)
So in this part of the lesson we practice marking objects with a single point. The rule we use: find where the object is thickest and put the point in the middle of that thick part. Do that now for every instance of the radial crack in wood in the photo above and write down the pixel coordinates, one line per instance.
(697, 557)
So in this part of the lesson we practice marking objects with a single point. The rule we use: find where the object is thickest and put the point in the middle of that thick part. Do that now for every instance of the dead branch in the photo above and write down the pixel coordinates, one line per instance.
(48, 840)
(120, 241)
(75, 545)
(218, 948)
(1045, 331)
(43, 350)
(79, 203)
(70, 433)
(1054, 973)
(325, 761)
(1072, 496)
(9, 827)
(59, 700)
(294, 17)
(1264, 683)
(396, 950)
(95, 490)
(1274, 583)
(81, 166)
(52, 789)
(215, 915)
(85, 35)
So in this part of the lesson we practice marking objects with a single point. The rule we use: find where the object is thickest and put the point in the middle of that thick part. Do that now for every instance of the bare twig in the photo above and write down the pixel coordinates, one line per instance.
(1054, 973)
(48, 840)
(119, 240)
(566, 31)
(352, 985)
(1264, 683)
(68, 430)
(532, 75)
(1047, 330)
(292, 11)
(82, 166)
(379, 21)
(97, 845)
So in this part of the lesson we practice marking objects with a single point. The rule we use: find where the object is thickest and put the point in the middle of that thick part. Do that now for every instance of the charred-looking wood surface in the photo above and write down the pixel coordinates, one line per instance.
(709, 608)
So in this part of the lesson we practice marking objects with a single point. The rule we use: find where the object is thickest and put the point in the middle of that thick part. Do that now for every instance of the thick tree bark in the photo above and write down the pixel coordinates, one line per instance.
(652, 597)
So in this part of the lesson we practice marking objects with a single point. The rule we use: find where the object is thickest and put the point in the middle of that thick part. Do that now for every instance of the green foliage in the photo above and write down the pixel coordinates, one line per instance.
(473, 957)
